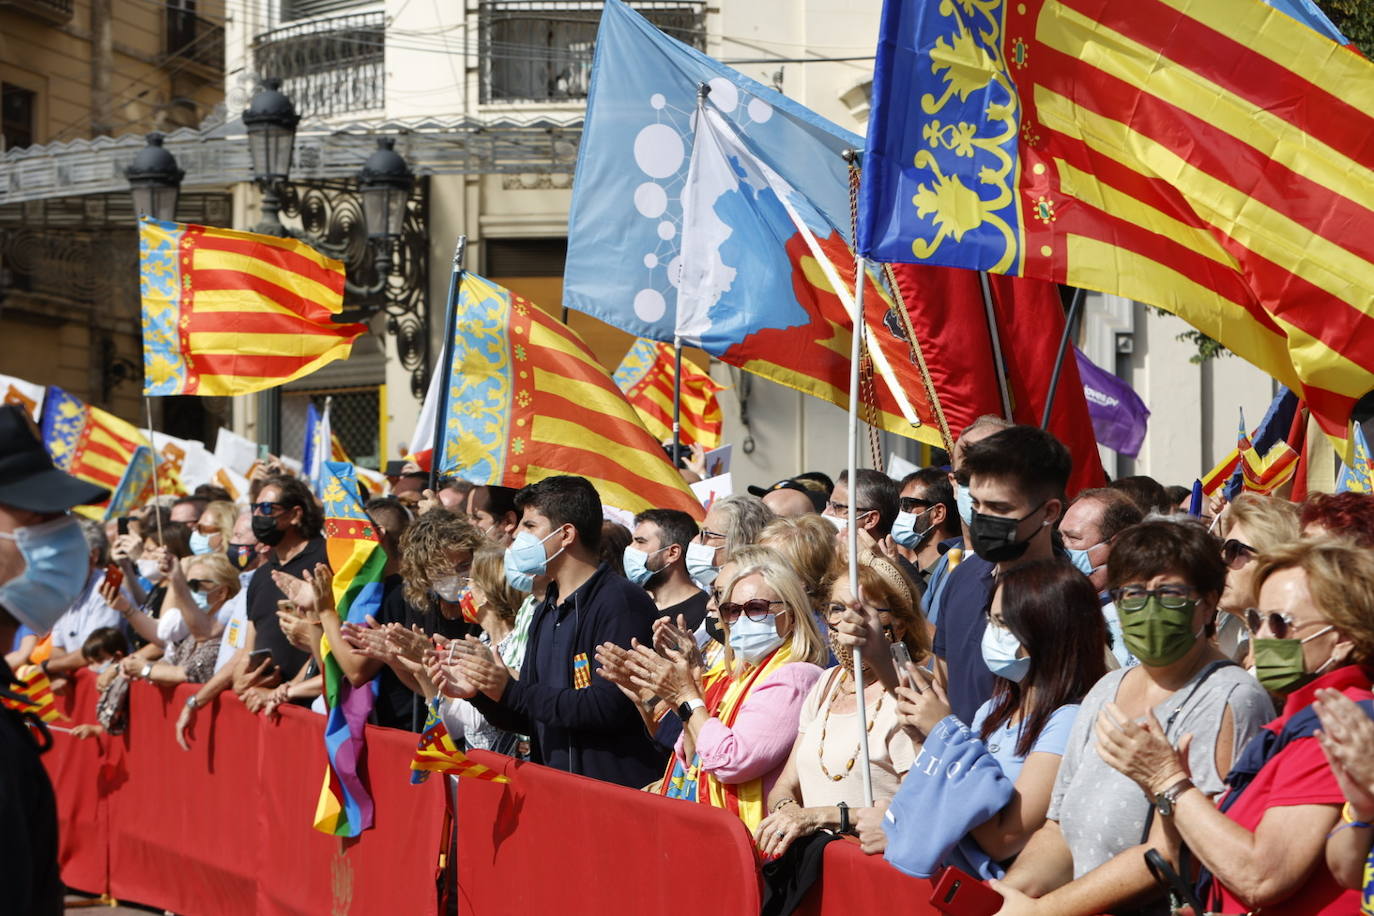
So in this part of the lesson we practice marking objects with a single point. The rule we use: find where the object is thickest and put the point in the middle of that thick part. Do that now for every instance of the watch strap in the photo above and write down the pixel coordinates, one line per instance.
(685, 710)
(844, 817)
(1165, 801)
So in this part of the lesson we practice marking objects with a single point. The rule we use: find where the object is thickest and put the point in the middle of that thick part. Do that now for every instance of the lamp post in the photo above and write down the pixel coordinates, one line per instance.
(384, 183)
(155, 180)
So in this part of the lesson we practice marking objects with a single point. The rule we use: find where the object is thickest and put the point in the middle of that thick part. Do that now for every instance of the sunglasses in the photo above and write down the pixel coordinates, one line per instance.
(1233, 552)
(207, 529)
(202, 585)
(1135, 597)
(1279, 624)
(756, 609)
(268, 509)
(914, 504)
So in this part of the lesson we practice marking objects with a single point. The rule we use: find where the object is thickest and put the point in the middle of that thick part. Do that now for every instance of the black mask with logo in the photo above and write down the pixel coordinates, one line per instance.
(994, 537)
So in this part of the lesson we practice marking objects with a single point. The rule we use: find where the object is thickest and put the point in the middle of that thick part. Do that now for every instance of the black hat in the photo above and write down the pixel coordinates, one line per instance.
(817, 497)
(28, 479)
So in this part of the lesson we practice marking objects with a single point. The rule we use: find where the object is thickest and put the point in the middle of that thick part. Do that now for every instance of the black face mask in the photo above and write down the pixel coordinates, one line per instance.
(994, 537)
(240, 555)
(266, 531)
(714, 631)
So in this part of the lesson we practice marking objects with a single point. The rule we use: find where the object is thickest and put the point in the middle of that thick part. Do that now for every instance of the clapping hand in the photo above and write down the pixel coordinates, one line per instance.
(1347, 739)
(670, 635)
(670, 676)
(1141, 750)
(614, 667)
(481, 666)
(445, 675)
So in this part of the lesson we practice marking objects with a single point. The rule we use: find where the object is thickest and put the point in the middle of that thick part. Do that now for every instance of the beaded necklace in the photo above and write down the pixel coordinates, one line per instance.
(825, 725)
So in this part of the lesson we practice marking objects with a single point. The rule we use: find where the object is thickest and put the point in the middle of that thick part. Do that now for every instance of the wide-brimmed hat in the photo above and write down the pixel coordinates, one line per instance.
(28, 478)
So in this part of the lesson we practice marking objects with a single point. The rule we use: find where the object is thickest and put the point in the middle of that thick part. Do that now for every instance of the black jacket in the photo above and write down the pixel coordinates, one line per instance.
(594, 731)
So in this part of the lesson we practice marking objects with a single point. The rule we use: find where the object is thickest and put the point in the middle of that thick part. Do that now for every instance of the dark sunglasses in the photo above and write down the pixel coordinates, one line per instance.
(202, 585)
(756, 609)
(268, 509)
(914, 504)
(1233, 550)
(1279, 624)
(1134, 597)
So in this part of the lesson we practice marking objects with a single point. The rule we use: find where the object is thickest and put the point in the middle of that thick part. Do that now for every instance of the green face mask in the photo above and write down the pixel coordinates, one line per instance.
(1159, 635)
(1279, 665)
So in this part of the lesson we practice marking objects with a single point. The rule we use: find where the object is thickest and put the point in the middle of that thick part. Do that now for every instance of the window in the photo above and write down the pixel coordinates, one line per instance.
(541, 51)
(18, 108)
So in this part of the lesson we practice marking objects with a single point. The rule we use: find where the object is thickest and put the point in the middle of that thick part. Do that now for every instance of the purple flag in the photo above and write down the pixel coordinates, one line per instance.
(1118, 413)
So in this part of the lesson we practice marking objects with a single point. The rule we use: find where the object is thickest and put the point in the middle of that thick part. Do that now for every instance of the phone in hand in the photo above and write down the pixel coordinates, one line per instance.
(257, 657)
(122, 525)
(960, 894)
(114, 576)
(901, 657)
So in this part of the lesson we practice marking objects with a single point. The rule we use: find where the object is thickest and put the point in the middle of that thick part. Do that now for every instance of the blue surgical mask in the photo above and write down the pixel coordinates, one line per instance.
(56, 559)
(200, 543)
(964, 499)
(701, 564)
(525, 559)
(754, 640)
(904, 530)
(636, 564)
(1079, 558)
(201, 599)
(1000, 646)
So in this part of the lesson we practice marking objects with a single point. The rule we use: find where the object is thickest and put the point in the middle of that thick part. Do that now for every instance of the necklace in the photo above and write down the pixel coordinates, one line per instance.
(825, 725)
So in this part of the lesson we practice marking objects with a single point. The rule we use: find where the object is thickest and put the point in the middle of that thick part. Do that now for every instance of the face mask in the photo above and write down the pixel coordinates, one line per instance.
(712, 627)
(1279, 664)
(450, 588)
(839, 523)
(844, 655)
(994, 537)
(904, 530)
(754, 640)
(1159, 635)
(201, 599)
(636, 563)
(525, 559)
(241, 555)
(964, 500)
(266, 531)
(200, 543)
(149, 570)
(1000, 646)
(468, 606)
(1079, 558)
(55, 561)
(701, 564)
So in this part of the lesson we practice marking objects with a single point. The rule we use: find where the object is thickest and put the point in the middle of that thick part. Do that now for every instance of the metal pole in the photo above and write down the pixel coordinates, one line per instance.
(455, 283)
(1075, 305)
(998, 363)
(677, 400)
(861, 270)
(152, 457)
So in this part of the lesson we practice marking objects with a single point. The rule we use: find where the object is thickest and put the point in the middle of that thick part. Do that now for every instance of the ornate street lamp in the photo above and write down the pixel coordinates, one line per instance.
(155, 180)
(385, 181)
(271, 121)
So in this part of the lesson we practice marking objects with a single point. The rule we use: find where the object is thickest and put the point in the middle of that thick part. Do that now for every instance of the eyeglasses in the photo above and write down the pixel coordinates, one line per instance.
(756, 609)
(708, 535)
(843, 508)
(268, 509)
(207, 529)
(1135, 597)
(912, 504)
(1279, 624)
(834, 610)
(1233, 552)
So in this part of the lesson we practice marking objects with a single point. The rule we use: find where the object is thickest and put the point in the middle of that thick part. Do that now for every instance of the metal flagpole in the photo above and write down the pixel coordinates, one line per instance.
(997, 360)
(455, 282)
(861, 270)
(1075, 306)
(152, 457)
(677, 400)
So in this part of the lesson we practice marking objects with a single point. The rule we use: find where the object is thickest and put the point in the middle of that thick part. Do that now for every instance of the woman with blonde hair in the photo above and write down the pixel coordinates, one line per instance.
(808, 545)
(214, 528)
(739, 724)
(1251, 525)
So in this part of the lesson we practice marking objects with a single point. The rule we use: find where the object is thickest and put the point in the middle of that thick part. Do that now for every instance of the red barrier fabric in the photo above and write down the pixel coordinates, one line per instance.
(225, 829)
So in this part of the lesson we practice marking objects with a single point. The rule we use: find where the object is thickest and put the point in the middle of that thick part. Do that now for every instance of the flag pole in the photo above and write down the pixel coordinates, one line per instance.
(152, 458)
(1075, 306)
(455, 282)
(677, 399)
(997, 361)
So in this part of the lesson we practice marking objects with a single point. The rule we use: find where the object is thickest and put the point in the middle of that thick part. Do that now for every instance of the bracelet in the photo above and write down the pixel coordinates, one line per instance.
(191, 702)
(783, 803)
(1348, 815)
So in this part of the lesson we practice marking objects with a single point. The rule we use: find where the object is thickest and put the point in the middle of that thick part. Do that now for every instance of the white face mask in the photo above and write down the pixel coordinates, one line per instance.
(839, 523)
(701, 564)
(1000, 647)
(149, 570)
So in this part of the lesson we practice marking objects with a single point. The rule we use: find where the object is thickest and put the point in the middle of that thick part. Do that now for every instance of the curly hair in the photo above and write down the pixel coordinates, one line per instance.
(1347, 514)
(295, 493)
(1340, 579)
(424, 552)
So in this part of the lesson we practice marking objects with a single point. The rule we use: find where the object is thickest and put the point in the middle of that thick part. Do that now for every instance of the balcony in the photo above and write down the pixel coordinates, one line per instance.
(194, 44)
(541, 50)
(53, 12)
(329, 66)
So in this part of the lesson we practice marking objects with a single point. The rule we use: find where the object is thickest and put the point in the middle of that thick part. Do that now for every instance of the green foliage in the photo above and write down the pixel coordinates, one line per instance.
(1355, 18)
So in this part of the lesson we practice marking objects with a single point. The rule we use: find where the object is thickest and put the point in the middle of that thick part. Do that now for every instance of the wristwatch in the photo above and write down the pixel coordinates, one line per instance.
(1165, 801)
(147, 670)
(685, 710)
(191, 702)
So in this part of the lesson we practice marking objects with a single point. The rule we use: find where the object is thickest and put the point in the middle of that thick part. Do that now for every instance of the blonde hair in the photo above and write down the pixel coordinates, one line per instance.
(807, 546)
(218, 569)
(489, 574)
(1269, 522)
(1340, 578)
(224, 515)
(424, 547)
(769, 565)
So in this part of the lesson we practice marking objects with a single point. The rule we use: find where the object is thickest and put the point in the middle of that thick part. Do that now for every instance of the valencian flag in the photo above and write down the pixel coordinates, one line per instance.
(741, 222)
(1358, 476)
(1211, 157)
(647, 375)
(135, 487)
(527, 400)
(227, 312)
(87, 442)
(33, 694)
(436, 753)
(356, 556)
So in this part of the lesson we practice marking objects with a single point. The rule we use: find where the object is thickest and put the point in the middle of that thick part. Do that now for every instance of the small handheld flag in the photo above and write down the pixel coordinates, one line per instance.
(436, 753)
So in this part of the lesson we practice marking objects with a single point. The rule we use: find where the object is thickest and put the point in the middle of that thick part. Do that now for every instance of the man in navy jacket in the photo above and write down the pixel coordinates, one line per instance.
(578, 721)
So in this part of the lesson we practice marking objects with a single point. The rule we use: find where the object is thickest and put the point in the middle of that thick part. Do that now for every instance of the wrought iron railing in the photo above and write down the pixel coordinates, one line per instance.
(189, 37)
(328, 66)
(56, 12)
(541, 50)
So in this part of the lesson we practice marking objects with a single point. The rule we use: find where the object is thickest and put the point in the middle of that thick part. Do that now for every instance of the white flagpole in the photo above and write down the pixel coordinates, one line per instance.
(152, 457)
(861, 270)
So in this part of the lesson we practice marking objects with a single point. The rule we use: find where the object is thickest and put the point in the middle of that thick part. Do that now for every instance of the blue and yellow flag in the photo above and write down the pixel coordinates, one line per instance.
(135, 487)
(87, 442)
(1358, 475)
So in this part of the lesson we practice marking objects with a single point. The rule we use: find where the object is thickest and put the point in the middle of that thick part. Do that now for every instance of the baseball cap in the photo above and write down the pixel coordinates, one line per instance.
(28, 478)
(817, 498)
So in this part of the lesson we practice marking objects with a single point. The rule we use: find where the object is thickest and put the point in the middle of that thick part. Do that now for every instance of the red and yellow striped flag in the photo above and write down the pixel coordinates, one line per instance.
(647, 376)
(88, 442)
(436, 753)
(1211, 157)
(527, 400)
(36, 691)
(228, 312)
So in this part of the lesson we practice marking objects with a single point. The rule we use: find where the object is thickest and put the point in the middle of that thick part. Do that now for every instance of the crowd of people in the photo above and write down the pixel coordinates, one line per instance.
(1052, 688)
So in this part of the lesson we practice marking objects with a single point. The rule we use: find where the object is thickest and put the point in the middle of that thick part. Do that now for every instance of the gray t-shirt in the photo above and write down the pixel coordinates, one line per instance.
(1102, 812)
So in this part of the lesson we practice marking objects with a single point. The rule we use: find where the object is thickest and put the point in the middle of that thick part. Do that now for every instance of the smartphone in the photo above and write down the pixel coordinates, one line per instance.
(114, 576)
(961, 894)
(122, 525)
(901, 657)
(257, 657)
